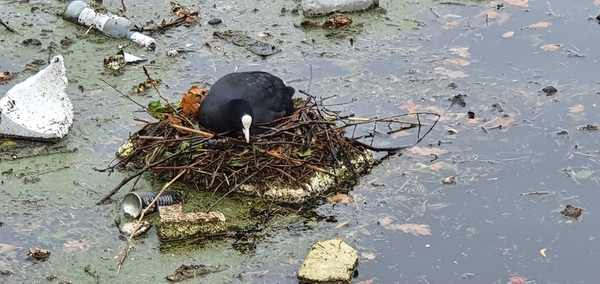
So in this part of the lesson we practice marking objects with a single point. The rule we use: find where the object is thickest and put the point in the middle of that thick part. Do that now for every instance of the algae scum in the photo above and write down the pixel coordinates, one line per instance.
(509, 142)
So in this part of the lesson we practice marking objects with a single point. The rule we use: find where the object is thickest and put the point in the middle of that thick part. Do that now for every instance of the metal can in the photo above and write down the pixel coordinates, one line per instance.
(134, 203)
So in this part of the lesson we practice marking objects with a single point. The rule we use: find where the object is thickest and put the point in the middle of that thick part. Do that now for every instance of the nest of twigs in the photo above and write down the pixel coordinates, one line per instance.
(297, 157)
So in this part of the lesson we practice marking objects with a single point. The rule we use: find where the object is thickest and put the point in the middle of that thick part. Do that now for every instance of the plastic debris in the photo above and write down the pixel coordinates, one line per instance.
(108, 24)
(313, 8)
(38, 107)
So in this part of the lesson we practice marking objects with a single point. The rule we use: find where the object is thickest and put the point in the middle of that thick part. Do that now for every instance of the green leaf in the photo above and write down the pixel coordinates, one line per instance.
(238, 163)
(306, 153)
(584, 174)
(8, 144)
(184, 145)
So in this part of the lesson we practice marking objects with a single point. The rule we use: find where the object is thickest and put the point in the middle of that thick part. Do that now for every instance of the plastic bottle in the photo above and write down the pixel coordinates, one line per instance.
(109, 24)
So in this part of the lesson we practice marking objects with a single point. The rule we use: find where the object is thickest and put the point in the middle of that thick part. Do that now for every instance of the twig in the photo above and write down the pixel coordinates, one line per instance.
(191, 130)
(9, 28)
(123, 5)
(139, 221)
(124, 95)
(234, 188)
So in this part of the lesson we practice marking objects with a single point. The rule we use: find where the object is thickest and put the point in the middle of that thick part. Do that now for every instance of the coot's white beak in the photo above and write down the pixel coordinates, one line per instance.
(246, 122)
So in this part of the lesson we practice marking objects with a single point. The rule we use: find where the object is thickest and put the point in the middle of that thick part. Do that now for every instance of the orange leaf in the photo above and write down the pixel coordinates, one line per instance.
(410, 106)
(436, 167)
(413, 228)
(540, 25)
(340, 198)
(576, 109)
(550, 47)
(173, 120)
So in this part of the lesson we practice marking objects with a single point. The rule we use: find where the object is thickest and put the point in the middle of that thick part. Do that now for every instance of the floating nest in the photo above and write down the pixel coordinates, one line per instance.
(298, 157)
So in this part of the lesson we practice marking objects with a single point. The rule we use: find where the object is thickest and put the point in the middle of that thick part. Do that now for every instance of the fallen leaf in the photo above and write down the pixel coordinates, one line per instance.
(450, 25)
(399, 134)
(576, 109)
(173, 120)
(450, 73)
(368, 281)
(340, 198)
(550, 47)
(412, 228)
(385, 221)
(6, 76)
(449, 180)
(518, 3)
(365, 231)
(410, 106)
(508, 34)
(462, 51)
(341, 224)
(368, 255)
(458, 62)
(189, 105)
(540, 25)
(436, 166)
(426, 151)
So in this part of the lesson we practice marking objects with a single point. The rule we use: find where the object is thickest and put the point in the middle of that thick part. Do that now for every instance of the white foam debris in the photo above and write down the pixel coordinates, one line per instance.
(39, 106)
(312, 8)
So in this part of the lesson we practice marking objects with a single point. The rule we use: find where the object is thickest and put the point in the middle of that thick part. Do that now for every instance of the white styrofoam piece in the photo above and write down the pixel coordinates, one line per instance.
(313, 8)
(39, 106)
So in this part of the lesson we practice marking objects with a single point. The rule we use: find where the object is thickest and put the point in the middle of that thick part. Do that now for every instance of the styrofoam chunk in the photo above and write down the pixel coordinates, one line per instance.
(39, 106)
(312, 8)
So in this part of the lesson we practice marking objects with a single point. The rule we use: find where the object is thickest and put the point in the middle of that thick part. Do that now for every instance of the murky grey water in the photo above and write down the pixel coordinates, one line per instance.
(482, 228)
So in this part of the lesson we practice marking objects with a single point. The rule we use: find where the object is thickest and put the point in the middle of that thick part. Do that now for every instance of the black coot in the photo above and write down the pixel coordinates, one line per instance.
(238, 101)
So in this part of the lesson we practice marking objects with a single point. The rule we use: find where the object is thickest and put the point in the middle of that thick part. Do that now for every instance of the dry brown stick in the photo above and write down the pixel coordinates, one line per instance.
(139, 221)
(124, 95)
(194, 131)
(9, 28)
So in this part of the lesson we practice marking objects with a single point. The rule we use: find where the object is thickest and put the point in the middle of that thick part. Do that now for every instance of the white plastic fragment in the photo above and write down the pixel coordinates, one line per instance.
(39, 106)
(313, 8)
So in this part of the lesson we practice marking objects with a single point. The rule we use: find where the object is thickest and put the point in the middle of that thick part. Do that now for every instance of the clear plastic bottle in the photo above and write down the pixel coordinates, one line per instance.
(109, 24)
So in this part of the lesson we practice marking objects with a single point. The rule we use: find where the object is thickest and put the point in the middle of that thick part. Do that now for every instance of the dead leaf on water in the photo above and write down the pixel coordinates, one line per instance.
(410, 106)
(540, 25)
(399, 134)
(385, 220)
(340, 198)
(508, 34)
(412, 228)
(365, 231)
(436, 166)
(368, 255)
(503, 121)
(550, 47)
(450, 25)
(424, 151)
(458, 62)
(368, 281)
(341, 224)
(576, 109)
(518, 3)
(461, 51)
(452, 74)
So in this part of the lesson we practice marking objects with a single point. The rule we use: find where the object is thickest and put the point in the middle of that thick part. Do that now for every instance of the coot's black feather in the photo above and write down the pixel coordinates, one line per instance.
(259, 94)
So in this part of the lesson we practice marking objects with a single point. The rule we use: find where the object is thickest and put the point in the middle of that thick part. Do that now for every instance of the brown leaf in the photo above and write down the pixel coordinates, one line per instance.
(173, 120)
(340, 198)
(576, 109)
(450, 73)
(365, 231)
(450, 25)
(368, 281)
(550, 47)
(6, 76)
(461, 51)
(540, 25)
(413, 228)
(410, 106)
(436, 166)
(399, 134)
(518, 3)
(190, 102)
(508, 34)
(342, 224)
(458, 62)
(386, 220)
(426, 151)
